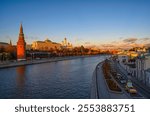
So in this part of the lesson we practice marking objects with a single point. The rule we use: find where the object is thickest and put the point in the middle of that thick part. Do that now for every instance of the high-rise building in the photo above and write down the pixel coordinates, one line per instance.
(21, 46)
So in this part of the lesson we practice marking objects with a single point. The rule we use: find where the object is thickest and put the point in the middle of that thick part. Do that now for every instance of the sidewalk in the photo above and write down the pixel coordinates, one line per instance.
(100, 89)
(38, 61)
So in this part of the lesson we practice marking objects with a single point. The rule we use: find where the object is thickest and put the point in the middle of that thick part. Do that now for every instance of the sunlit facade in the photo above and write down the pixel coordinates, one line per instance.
(46, 45)
(66, 44)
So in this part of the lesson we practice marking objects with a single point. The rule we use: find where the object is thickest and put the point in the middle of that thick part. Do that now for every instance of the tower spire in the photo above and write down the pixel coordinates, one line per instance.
(21, 29)
(10, 42)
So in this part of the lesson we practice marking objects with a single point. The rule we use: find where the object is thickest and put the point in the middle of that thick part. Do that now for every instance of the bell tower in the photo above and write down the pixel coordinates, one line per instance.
(21, 45)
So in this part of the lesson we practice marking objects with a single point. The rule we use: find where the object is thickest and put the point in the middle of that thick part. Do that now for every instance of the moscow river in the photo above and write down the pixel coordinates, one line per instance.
(68, 79)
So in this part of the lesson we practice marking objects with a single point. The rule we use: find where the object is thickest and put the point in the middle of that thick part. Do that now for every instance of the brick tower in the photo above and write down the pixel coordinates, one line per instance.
(21, 46)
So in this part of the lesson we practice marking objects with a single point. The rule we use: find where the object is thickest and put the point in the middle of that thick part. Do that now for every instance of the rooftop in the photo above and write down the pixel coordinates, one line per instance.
(3, 43)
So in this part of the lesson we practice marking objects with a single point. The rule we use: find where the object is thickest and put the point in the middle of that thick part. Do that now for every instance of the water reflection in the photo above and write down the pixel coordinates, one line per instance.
(20, 71)
(63, 79)
(20, 79)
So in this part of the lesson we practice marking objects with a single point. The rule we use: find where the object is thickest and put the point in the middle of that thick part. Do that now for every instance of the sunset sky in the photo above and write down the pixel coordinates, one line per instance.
(104, 23)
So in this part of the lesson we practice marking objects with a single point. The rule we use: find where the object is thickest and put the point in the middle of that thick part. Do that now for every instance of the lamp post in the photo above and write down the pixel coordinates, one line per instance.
(141, 67)
(1, 56)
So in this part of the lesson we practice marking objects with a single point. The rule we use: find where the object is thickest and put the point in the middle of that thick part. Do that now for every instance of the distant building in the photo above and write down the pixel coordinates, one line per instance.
(137, 63)
(139, 49)
(66, 44)
(3, 44)
(132, 54)
(147, 77)
(28, 47)
(147, 61)
(143, 68)
(46, 45)
(148, 49)
(21, 46)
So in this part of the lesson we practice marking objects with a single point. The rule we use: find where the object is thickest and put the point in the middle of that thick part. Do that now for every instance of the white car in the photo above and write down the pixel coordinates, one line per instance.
(123, 81)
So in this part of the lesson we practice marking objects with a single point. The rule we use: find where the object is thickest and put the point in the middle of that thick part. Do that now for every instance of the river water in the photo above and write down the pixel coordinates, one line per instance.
(68, 79)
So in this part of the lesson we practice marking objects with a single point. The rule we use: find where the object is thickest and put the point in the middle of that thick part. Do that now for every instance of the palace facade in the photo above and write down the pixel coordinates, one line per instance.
(46, 45)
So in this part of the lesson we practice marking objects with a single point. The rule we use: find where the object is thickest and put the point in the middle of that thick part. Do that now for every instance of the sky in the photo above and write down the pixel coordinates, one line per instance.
(83, 22)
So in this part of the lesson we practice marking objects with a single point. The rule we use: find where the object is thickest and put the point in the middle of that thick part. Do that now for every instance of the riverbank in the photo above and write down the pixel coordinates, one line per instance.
(38, 61)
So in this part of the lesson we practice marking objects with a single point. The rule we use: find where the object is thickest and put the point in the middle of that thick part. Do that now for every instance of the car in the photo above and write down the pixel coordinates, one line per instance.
(129, 87)
(123, 81)
(118, 76)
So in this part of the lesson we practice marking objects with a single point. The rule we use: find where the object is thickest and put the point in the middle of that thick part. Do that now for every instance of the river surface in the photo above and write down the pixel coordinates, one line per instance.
(68, 79)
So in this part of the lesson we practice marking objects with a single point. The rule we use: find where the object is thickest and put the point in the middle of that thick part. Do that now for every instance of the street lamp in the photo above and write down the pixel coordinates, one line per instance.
(141, 67)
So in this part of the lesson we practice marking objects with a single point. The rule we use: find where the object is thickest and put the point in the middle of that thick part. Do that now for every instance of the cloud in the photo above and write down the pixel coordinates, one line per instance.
(130, 40)
(90, 46)
(114, 42)
(127, 43)
(8, 37)
(31, 38)
(87, 43)
(108, 45)
(145, 39)
(120, 38)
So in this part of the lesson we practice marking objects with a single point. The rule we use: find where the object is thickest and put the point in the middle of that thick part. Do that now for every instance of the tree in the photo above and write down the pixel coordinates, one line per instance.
(82, 49)
(2, 49)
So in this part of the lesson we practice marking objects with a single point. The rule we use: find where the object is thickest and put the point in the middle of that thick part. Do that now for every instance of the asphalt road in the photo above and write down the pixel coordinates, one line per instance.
(142, 92)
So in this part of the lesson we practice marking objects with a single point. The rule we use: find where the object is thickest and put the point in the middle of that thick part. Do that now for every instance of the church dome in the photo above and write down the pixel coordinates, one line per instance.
(47, 40)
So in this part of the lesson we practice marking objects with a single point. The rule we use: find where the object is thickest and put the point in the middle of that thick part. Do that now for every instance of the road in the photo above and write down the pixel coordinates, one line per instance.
(142, 92)
(102, 91)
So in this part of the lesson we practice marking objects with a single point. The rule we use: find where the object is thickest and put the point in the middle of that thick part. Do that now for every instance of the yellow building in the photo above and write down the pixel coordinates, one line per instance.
(45, 45)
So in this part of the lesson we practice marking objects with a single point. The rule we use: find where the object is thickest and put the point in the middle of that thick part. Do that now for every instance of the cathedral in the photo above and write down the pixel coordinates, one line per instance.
(66, 44)
(21, 46)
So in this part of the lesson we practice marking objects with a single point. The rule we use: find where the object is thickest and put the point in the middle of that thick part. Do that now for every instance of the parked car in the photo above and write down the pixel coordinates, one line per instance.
(118, 76)
(129, 87)
(123, 81)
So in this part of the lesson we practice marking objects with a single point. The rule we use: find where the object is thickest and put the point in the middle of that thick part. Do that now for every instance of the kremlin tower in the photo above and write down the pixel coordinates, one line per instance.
(21, 46)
